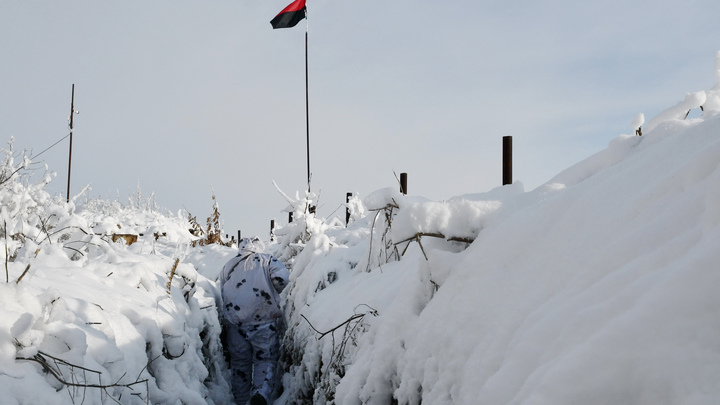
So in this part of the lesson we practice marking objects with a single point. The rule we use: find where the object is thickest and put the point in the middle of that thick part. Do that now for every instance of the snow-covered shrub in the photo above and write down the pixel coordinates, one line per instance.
(25, 214)
(327, 319)
(291, 238)
(87, 320)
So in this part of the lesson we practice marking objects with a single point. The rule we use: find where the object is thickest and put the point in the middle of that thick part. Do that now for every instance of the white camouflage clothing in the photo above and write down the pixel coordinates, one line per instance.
(250, 285)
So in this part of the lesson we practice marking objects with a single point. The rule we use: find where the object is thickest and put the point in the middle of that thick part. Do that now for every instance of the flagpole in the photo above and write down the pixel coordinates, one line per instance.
(307, 98)
(290, 16)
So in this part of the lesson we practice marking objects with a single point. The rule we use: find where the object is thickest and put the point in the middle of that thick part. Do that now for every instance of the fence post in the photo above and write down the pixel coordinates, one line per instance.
(403, 183)
(72, 112)
(347, 208)
(507, 160)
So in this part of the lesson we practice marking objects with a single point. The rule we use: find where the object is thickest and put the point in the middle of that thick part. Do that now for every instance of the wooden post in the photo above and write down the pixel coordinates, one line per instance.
(507, 160)
(347, 208)
(272, 230)
(403, 183)
(290, 217)
(239, 236)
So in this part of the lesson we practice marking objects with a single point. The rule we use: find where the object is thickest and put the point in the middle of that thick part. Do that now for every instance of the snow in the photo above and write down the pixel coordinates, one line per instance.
(638, 121)
(597, 287)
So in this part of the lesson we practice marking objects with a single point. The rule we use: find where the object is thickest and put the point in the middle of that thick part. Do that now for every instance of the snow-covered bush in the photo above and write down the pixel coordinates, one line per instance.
(324, 329)
(88, 320)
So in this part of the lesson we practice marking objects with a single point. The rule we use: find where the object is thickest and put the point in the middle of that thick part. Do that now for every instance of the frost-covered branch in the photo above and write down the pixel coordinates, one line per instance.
(42, 359)
(323, 334)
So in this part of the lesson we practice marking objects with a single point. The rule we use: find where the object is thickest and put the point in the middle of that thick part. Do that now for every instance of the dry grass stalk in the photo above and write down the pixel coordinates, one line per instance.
(172, 274)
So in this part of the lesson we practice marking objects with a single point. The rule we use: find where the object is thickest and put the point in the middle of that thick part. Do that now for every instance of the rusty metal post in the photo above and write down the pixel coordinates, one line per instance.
(347, 208)
(507, 160)
(403, 183)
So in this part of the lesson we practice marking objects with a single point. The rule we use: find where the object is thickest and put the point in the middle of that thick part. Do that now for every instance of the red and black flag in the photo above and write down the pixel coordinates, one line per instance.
(290, 16)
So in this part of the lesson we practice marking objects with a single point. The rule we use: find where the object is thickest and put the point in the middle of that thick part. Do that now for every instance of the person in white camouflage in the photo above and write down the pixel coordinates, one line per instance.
(250, 284)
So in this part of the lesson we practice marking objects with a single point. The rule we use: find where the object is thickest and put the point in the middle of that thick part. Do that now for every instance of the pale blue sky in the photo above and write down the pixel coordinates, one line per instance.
(181, 95)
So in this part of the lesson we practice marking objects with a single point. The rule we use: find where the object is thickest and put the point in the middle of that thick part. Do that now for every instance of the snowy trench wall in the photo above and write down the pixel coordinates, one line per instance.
(598, 287)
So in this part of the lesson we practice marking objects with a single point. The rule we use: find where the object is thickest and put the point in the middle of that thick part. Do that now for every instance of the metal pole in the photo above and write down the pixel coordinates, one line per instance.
(507, 160)
(72, 112)
(307, 100)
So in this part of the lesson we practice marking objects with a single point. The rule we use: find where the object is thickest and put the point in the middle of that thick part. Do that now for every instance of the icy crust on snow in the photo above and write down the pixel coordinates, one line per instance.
(597, 287)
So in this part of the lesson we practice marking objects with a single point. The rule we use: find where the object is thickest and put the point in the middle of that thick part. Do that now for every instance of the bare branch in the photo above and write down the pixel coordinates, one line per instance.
(23, 274)
(323, 334)
(42, 359)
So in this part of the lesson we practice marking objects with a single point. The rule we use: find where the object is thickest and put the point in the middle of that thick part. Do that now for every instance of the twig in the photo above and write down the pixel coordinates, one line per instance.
(372, 311)
(422, 249)
(45, 228)
(146, 366)
(68, 227)
(417, 236)
(40, 358)
(7, 272)
(23, 274)
(78, 251)
(11, 175)
(323, 334)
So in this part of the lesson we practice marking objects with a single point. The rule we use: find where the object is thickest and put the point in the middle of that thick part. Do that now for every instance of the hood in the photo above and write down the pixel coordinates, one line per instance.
(250, 245)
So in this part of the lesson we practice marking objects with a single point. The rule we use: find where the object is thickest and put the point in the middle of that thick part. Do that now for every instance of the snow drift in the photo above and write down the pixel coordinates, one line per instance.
(597, 287)
(88, 320)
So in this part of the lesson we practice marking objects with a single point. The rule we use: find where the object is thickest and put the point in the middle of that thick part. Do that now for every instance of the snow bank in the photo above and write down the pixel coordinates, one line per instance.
(88, 320)
(595, 288)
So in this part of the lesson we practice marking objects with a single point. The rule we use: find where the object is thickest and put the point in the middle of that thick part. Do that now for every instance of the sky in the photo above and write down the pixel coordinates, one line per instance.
(185, 99)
